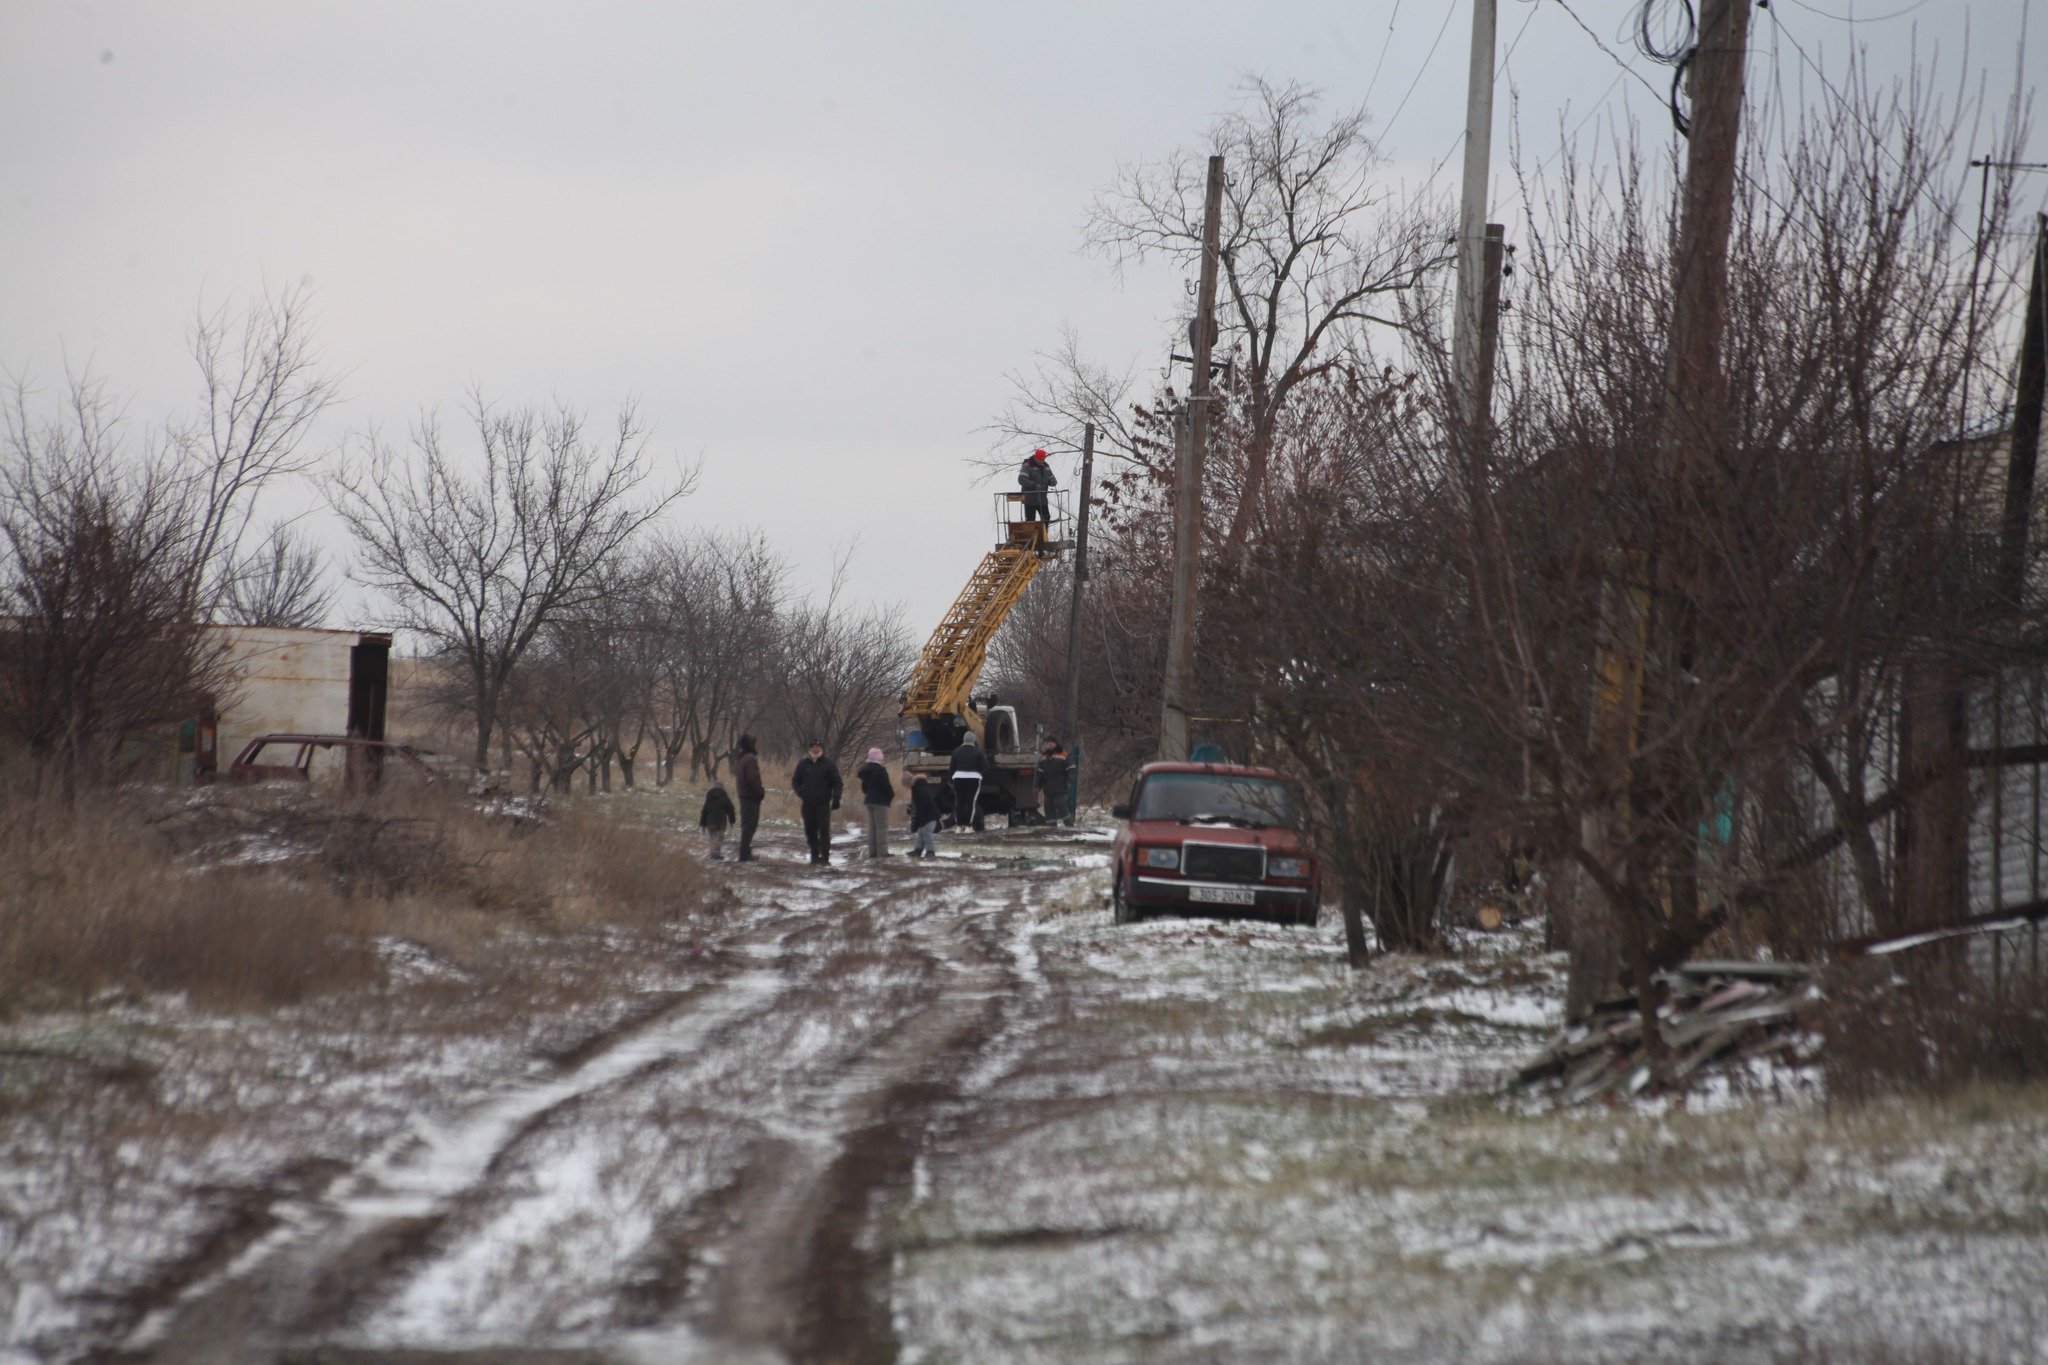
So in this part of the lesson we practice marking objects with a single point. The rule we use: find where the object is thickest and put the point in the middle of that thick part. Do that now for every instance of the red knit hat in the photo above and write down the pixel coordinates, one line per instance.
(1037, 454)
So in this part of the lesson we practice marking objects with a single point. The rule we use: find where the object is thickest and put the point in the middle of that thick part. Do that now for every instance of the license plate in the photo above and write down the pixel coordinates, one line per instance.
(1223, 895)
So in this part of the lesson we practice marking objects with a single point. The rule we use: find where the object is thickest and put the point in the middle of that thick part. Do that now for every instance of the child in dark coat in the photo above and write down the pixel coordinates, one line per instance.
(717, 817)
(924, 817)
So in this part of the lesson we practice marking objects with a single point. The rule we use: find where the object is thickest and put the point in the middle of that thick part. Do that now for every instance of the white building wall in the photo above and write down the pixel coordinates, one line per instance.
(286, 680)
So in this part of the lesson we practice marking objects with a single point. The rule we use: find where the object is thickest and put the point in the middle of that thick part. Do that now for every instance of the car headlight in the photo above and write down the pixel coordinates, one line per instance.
(1160, 857)
(1286, 867)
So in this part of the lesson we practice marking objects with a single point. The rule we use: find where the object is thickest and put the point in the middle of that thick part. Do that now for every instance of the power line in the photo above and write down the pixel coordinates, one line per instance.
(1374, 83)
(1422, 70)
(1852, 19)
(1612, 55)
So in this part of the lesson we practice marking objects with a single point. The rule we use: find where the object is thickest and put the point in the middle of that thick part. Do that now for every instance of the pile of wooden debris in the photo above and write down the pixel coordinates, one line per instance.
(1717, 1015)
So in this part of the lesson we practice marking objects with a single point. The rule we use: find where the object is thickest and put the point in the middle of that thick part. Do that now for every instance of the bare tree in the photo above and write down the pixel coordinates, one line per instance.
(480, 560)
(1314, 248)
(1451, 656)
(103, 642)
(261, 392)
(715, 613)
(282, 582)
(841, 672)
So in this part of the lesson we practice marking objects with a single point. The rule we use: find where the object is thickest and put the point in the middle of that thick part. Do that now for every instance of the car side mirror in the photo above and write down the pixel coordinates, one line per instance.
(1119, 812)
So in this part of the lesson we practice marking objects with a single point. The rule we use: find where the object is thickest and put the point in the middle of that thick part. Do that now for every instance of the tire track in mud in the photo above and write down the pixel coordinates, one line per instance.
(774, 1262)
(797, 1271)
(315, 1256)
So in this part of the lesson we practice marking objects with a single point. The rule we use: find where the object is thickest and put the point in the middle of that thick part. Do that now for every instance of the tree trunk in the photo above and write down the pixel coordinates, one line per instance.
(1933, 886)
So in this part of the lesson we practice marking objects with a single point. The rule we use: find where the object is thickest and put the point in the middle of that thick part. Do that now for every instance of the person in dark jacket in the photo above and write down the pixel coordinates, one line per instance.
(1053, 777)
(817, 786)
(924, 816)
(1035, 477)
(877, 793)
(746, 778)
(716, 817)
(968, 768)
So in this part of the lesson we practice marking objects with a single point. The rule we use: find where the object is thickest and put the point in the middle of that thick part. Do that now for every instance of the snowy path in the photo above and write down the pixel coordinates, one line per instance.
(700, 1186)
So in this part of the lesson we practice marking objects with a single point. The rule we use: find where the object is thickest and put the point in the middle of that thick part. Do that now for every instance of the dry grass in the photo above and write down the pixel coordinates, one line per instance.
(246, 898)
(1933, 1028)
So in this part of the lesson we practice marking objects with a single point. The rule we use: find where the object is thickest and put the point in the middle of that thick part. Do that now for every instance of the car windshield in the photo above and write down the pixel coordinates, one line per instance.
(1224, 798)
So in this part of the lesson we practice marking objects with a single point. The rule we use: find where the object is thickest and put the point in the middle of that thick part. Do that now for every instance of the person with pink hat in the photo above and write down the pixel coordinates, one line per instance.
(879, 793)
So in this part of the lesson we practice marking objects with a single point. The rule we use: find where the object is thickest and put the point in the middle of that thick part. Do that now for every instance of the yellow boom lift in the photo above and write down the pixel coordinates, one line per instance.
(939, 707)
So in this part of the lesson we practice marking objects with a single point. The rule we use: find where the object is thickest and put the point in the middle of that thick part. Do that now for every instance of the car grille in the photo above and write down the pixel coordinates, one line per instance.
(1224, 862)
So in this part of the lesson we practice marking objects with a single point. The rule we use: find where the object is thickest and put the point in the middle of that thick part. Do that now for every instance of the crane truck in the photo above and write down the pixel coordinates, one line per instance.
(940, 707)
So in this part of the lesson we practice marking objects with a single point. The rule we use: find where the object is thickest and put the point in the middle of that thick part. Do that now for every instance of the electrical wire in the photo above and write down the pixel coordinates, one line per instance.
(1422, 70)
(1852, 19)
(1374, 83)
(1498, 73)
(1878, 141)
(1612, 55)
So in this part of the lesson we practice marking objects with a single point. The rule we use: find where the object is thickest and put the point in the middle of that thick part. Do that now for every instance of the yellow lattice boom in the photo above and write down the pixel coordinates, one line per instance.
(953, 657)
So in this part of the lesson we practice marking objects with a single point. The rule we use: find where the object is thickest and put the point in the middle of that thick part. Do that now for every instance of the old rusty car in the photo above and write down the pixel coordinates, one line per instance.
(289, 758)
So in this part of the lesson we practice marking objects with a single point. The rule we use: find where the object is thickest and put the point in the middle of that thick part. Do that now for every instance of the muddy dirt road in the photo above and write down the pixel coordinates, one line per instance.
(949, 1112)
(703, 1183)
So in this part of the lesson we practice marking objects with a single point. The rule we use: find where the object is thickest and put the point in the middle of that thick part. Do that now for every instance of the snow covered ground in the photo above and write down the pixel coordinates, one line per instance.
(947, 1111)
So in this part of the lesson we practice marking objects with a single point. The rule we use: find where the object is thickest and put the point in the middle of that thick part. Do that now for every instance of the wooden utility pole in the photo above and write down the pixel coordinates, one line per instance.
(2026, 427)
(1699, 300)
(1492, 260)
(1070, 713)
(1187, 518)
(1641, 645)
(1466, 320)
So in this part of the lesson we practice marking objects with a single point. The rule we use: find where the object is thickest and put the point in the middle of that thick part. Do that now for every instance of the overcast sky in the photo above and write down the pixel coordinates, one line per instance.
(811, 240)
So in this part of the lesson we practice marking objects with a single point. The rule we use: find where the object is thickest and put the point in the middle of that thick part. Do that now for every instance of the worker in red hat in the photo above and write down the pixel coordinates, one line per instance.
(1035, 477)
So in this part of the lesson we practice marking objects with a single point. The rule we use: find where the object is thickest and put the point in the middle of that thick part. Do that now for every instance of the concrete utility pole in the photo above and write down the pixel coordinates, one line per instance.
(1187, 515)
(1070, 714)
(1466, 321)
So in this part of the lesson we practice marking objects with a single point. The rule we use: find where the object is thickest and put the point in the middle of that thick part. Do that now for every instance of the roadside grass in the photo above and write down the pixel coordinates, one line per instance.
(212, 1000)
(256, 898)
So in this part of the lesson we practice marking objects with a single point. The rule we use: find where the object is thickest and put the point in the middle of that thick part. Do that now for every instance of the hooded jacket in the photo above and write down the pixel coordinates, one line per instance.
(746, 772)
(816, 779)
(718, 811)
(968, 758)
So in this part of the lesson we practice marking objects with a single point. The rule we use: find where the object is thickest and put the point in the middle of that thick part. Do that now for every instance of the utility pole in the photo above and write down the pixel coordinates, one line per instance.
(1634, 632)
(2026, 427)
(1493, 261)
(1187, 516)
(1466, 320)
(1699, 301)
(1070, 714)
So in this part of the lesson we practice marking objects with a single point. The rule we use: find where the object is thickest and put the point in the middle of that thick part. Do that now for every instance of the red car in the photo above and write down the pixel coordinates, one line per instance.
(1214, 839)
